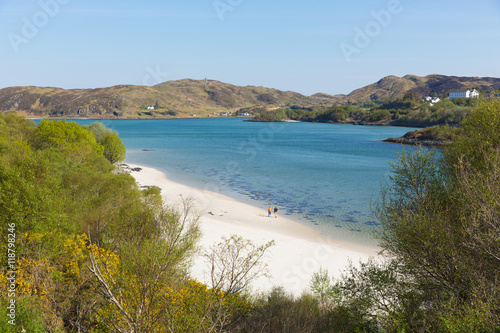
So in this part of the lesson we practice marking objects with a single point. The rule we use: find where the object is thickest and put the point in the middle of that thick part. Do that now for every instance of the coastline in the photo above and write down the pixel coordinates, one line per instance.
(299, 251)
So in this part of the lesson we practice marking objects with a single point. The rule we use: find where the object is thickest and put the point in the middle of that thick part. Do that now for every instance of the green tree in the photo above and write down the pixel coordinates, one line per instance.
(154, 245)
(76, 143)
(479, 136)
(15, 127)
(279, 311)
(325, 289)
(29, 192)
(441, 219)
(114, 150)
(99, 130)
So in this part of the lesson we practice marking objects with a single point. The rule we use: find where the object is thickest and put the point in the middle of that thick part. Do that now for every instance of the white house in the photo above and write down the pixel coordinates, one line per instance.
(243, 114)
(432, 100)
(150, 107)
(464, 94)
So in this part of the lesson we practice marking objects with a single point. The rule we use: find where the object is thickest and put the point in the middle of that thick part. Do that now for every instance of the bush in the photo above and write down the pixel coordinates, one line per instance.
(440, 222)
(114, 150)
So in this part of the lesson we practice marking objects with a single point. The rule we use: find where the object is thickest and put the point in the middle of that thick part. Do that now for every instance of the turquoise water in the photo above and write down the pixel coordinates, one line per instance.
(325, 176)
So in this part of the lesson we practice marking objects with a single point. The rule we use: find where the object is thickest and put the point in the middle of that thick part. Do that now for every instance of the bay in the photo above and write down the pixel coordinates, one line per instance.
(326, 176)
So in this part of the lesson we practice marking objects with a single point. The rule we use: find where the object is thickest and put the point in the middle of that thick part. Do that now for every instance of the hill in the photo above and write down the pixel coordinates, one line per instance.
(187, 97)
(182, 98)
(394, 87)
(396, 101)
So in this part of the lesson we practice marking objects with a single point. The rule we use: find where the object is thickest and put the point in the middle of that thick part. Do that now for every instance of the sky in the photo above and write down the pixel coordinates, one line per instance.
(313, 46)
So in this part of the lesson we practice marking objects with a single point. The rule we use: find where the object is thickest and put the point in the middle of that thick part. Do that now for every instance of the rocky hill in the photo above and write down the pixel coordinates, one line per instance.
(393, 87)
(179, 98)
(186, 97)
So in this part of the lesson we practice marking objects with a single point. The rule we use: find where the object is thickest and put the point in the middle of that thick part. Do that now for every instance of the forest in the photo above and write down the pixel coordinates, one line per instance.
(86, 250)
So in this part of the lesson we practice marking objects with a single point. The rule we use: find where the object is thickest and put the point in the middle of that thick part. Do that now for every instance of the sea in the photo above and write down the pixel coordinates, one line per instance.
(328, 177)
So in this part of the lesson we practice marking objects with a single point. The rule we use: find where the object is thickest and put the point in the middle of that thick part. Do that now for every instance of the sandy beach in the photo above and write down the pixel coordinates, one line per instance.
(299, 251)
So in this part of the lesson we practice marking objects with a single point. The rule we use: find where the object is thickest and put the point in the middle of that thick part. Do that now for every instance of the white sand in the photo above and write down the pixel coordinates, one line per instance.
(299, 251)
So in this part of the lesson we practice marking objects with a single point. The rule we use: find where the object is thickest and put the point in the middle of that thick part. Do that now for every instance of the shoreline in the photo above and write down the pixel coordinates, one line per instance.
(299, 251)
(245, 118)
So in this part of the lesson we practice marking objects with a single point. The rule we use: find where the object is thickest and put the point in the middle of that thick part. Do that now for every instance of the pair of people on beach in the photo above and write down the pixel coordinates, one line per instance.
(275, 211)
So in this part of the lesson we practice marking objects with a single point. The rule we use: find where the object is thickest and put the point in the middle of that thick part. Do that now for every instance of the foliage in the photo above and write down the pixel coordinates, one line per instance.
(409, 111)
(28, 314)
(325, 289)
(154, 245)
(380, 295)
(278, 311)
(14, 127)
(96, 254)
(274, 115)
(99, 130)
(52, 281)
(76, 143)
(196, 308)
(235, 262)
(404, 103)
(114, 150)
(479, 135)
(441, 133)
(441, 222)
(29, 196)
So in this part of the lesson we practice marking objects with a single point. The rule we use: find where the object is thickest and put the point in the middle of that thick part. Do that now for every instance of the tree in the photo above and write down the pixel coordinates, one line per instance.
(99, 130)
(235, 262)
(325, 289)
(53, 186)
(479, 136)
(29, 190)
(154, 245)
(440, 219)
(378, 294)
(15, 127)
(114, 150)
(76, 143)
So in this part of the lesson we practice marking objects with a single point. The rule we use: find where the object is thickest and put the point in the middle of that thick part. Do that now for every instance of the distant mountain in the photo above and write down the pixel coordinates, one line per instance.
(393, 87)
(186, 97)
(182, 97)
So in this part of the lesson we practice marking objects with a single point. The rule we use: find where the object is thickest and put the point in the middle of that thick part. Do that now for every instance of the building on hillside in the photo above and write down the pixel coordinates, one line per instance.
(432, 100)
(150, 107)
(464, 94)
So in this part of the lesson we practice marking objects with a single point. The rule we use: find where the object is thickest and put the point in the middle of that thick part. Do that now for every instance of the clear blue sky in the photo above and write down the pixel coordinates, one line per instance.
(305, 46)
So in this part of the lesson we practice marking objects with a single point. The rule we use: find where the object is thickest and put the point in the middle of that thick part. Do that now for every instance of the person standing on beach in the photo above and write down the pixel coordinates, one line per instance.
(269, 212)
(276, 211)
